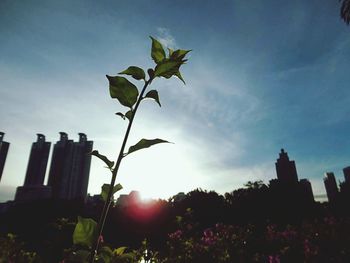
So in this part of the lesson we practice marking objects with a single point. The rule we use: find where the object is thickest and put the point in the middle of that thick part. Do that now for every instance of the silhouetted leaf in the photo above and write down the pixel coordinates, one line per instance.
(126, 115)
(85, 232)
(121, 115)
(144, 143)
(150, 73)
(158, 53)
(178, 54)
(153, 94)
(135, 72)
(117, 188)
(105, 190)
(123, 90)
(168, 68)
(109, 163)
(178, 74)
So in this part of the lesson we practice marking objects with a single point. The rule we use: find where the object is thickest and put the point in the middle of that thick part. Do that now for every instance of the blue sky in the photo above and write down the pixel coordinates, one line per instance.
(263, 75)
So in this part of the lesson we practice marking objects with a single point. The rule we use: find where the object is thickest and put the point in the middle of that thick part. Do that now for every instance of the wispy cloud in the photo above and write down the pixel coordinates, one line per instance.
(165, 37)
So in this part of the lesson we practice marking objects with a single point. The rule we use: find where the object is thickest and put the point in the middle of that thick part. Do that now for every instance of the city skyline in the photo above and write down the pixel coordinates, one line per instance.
(61, 172)
(69, 170)
(261, 77)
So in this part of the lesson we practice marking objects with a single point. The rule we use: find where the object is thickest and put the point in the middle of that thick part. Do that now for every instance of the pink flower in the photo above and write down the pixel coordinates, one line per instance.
(274, 259)
(208, 237)
(176, 235)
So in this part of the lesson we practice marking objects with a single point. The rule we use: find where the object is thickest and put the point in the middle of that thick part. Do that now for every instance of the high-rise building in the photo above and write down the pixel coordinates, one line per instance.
(306, 191)
(61, 163)
(287, 189)
(80, 168)
(346, 172)
(37, 162)
(286, 170)
(4, 146)
(33, 187)
(331, 187)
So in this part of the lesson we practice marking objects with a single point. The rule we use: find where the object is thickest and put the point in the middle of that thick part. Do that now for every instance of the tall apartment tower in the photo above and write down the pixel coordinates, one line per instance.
(346, 172)
(4, 146)
(306, 191)
(286, 170)
(80, 168)
(33, 188)
(61, 163)
(39, 155)
(331, 187)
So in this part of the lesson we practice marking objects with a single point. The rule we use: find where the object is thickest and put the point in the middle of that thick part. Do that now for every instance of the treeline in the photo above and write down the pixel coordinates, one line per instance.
(47, 226)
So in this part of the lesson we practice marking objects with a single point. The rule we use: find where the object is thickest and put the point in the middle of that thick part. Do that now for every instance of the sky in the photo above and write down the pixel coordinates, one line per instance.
(263, 75)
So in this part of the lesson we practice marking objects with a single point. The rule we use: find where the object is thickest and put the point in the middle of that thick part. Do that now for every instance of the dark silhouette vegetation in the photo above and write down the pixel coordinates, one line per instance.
(274, 222)
(46, 226)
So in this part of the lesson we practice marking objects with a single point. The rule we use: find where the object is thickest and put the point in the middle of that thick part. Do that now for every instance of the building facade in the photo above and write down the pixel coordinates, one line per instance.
(287, 187)
(33, 187)
(70, 168)
(80, 168)
(37, 164)
(331, 187)
(61, 162)
(4, 146)
(346, 172)
(306, 192)
(286, 170)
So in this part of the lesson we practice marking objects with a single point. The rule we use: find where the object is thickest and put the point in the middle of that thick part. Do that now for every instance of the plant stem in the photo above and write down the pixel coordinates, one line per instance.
(108, 202)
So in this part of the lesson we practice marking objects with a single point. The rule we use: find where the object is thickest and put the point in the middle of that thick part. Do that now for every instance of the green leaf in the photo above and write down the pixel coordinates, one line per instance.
(150, 73)
(123, 90)
(153, 94)
(171, 51)
(129, 257)
(178, 54)
(135, 72)
(109, 163)
(85, 232)
(168, 68)
(178, 74)
(105, 190)
(157, 53)
(126, 115)
(119, 251)
(121, 115)
(117, 188)
(144, 143)
(81, 256)
(106, 254)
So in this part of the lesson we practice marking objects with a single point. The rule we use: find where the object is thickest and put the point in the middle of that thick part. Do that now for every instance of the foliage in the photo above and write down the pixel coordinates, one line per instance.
(88, 233)
(84, 232)
(12, 250)
(187, 227)
(317, 241)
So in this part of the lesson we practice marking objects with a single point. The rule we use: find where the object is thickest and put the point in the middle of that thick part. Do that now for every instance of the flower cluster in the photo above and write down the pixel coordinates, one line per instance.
(176, 235)
(322, 240)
